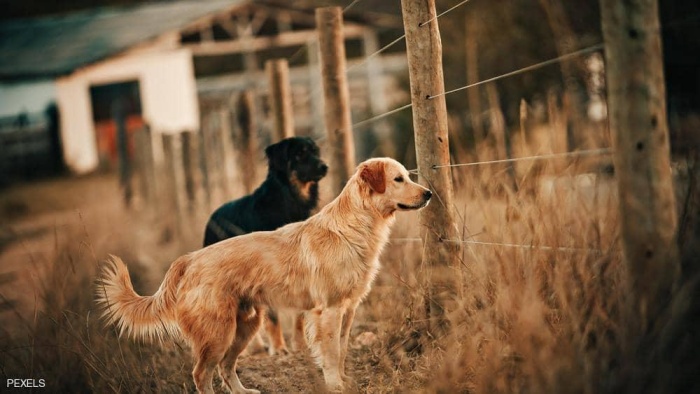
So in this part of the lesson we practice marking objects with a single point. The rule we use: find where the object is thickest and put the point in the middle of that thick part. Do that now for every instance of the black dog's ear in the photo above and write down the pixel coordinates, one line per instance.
(278, 155)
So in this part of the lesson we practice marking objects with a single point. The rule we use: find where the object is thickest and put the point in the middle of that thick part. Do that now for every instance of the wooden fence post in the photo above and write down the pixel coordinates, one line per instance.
(146, 165)
(228, 161)
(173, 178)
(315, 101)
(189, 164)
(329, 22)
(204, 162)
(637, 110)
(119, 114)
(277, 71)
(248, 143)
(442, 251)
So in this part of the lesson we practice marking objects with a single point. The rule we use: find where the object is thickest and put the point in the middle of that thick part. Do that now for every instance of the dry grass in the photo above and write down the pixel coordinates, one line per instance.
(529, 320)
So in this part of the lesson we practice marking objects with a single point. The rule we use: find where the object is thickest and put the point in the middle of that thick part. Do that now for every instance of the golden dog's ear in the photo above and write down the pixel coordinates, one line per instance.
(373, 174)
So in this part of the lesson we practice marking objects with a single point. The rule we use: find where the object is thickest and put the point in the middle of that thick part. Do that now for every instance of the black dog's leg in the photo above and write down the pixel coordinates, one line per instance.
(274, 332)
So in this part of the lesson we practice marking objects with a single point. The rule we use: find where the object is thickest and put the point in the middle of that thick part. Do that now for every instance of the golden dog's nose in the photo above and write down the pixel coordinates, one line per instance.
(427, 194)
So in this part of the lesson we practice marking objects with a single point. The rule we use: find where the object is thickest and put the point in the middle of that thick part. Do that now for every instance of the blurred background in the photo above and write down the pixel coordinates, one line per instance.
(169, 64)
(123, 124)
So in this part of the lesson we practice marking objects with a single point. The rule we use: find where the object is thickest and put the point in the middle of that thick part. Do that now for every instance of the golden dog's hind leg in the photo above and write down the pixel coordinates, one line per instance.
(246, 328)
(209, 349)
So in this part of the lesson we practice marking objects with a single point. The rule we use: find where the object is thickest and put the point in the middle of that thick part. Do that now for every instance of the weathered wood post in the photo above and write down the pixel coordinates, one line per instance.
(189, 164)
(204, 163)
(442, 249)
(314, 73)
(277, 71)
(225, 142)
(146, 165)
(248, 144)
(173, 181)
(329, 23)
(119, 114)
(637, 110)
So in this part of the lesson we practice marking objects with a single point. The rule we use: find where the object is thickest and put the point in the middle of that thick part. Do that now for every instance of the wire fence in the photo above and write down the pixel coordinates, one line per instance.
(532, 67)
(369, 57)
(589, 152)
(579, 153)
(531, 247)
(302, 50)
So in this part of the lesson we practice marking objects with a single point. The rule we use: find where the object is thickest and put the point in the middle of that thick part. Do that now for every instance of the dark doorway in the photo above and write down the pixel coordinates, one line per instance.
(115, 105)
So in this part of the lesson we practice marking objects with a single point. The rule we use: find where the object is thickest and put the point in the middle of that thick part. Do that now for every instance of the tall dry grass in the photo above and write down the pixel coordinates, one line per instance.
(60, 337)
(530, 319)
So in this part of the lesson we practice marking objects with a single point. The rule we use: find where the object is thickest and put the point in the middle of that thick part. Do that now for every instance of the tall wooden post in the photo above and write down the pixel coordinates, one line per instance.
(277, 71)
(248, 144)
(119, 114)
(228, 155)
(146, 165)
(204, 161)
(329, 23)
(173, 175)
(637, 110)
(442, 249)
(315, 101)
(212, 158)
(189, 165)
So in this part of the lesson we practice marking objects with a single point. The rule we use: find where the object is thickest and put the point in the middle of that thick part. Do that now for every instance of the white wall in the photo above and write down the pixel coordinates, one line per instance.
(77, 129)
(168, 99)
(32, 97)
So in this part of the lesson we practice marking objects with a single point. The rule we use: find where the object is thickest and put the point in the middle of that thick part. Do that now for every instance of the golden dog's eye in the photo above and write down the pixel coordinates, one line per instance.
(398, 179)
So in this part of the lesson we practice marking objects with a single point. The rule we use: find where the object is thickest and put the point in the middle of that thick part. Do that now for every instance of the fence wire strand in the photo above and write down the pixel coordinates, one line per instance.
(380, 50)
(384, 115)
(555, 60)
(349, 6)
(567, 56)
(589, 152)
(442, 13)
(506, 245)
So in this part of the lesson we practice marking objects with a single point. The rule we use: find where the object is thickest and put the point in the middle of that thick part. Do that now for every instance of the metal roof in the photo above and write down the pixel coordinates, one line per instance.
(57, 45)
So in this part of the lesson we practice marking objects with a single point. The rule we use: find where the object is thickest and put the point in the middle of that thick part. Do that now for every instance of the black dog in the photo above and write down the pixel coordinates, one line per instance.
(288, 194)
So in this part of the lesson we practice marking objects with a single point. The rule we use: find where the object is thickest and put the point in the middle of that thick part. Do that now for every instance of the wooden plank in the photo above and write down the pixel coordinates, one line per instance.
(243, 45)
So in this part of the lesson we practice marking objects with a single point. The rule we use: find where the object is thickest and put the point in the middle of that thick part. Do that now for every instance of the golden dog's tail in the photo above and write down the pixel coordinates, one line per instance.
(146, 317)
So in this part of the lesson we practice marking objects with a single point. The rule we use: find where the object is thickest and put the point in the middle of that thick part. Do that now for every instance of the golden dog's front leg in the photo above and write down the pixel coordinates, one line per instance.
(345, 337)
(323, 330)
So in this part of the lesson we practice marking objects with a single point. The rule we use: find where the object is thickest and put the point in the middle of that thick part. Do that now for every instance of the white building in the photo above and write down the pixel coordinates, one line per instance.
(147, 53)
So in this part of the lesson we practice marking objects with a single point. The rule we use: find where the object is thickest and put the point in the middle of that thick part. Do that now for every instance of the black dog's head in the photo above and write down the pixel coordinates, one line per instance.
(298, 158)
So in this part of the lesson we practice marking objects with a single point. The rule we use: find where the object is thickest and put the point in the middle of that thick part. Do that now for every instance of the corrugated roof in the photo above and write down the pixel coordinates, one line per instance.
(53, 46)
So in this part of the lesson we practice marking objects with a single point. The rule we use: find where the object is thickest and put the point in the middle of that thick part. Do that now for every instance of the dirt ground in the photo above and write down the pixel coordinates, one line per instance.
(88, 212)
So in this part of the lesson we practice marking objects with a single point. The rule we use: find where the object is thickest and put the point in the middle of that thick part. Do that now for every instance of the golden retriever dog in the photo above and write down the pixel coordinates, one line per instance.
(215, 298)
